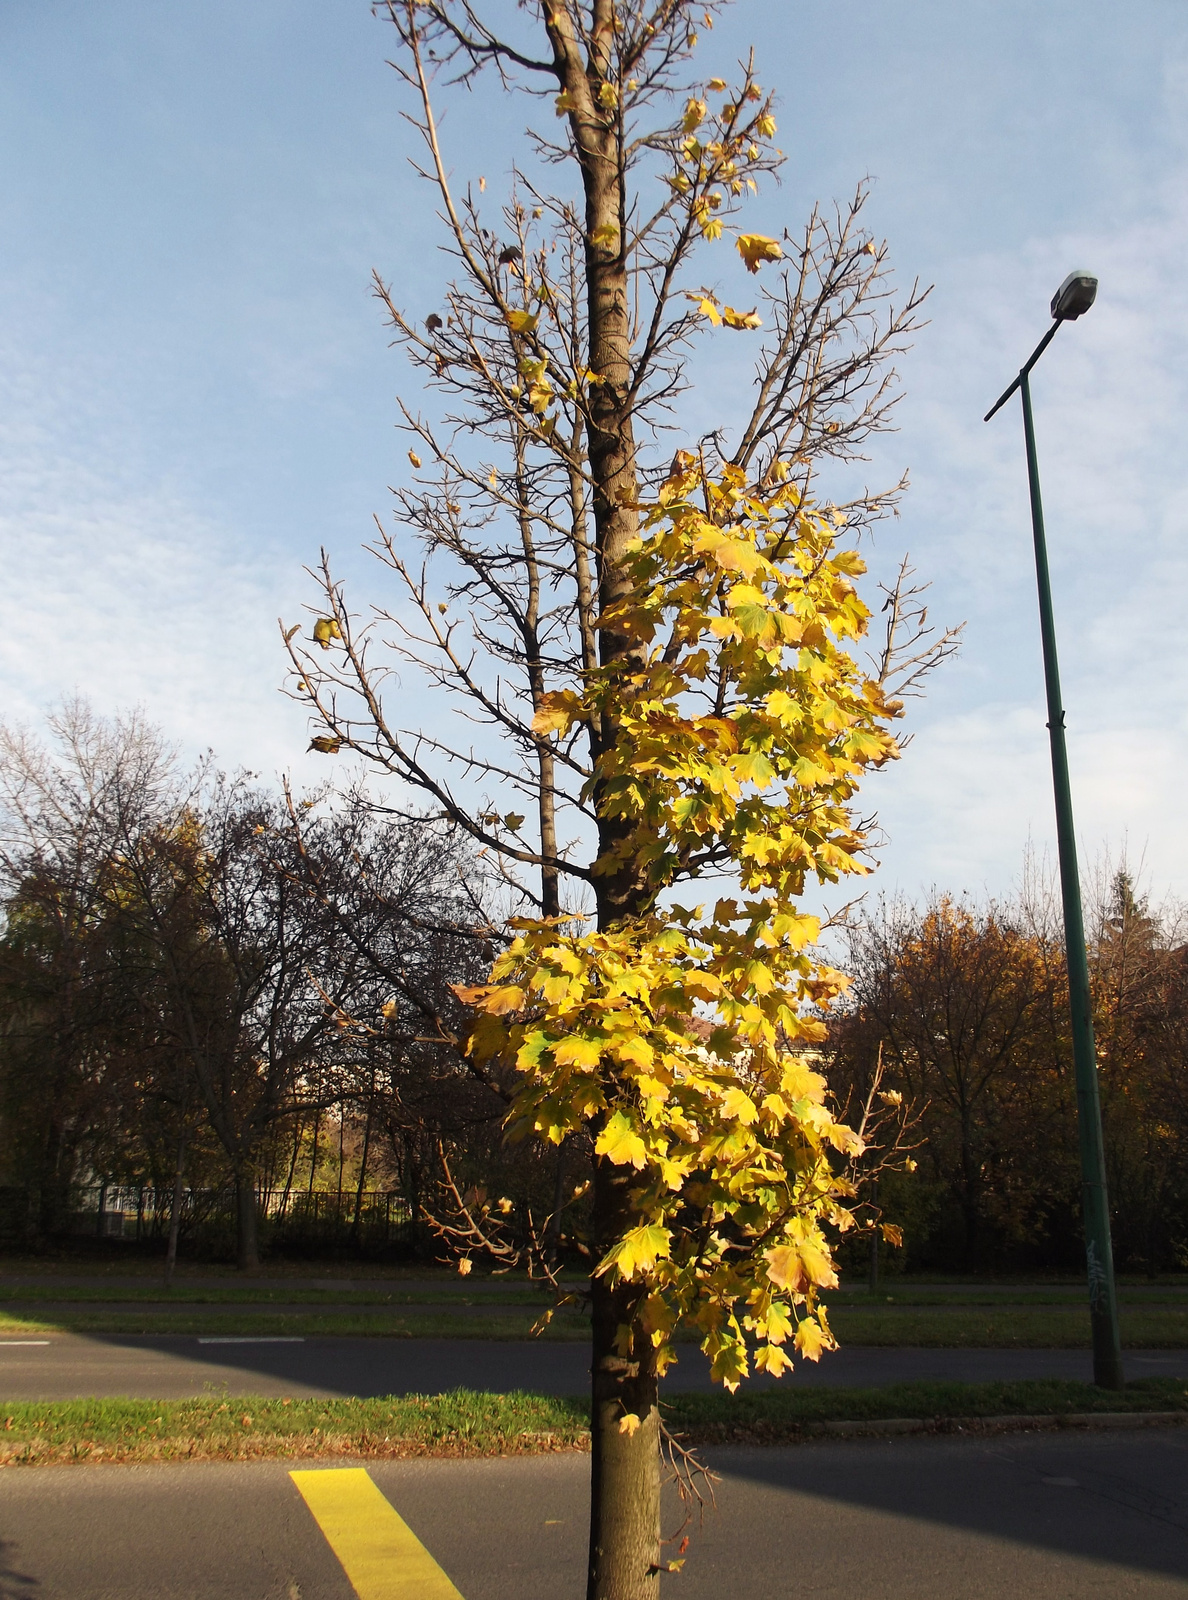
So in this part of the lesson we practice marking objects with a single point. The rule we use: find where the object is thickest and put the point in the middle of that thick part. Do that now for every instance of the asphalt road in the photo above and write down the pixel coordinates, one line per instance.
(1038, 1517)
(78, 1366)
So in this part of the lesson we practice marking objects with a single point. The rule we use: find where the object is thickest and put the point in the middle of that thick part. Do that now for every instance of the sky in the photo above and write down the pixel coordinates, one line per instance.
(197, 394)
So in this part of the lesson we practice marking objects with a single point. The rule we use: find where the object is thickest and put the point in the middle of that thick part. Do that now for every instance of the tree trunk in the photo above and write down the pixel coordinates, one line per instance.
(624, 1464)
(247, 1221)
(355, 1220)
(175, 1213)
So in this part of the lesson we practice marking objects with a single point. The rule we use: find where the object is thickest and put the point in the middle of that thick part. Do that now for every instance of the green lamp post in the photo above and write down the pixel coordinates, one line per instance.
(1074, 297)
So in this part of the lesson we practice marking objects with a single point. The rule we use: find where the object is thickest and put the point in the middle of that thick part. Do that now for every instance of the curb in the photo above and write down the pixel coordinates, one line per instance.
(891, 1426)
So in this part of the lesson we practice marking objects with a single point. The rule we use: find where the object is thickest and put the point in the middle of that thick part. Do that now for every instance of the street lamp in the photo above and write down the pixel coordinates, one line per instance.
(1074, 297)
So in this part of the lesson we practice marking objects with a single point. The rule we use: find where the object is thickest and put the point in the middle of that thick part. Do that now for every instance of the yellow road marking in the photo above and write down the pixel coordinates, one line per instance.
(379, 1552)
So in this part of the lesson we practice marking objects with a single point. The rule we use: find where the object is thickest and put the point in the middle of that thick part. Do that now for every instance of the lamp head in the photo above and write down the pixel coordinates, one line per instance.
(1074, 296)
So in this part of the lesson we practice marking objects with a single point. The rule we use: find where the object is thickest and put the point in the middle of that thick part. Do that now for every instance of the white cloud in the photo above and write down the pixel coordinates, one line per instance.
(119, 587)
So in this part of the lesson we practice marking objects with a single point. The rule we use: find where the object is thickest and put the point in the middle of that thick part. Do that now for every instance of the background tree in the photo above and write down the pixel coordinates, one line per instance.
(963, 1003)
(75, 1036)
(660, 654)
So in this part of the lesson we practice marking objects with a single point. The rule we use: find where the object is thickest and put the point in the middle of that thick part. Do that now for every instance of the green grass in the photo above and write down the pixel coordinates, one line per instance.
(466, 1423)
(512, 1324)
(285, 1294)
(242, 1429)
(1002, 1327)
(782, 1415)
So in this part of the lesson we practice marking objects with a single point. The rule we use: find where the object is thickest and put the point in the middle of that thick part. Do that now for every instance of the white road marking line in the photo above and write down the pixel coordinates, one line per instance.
(260, 1338)
(23, 1341)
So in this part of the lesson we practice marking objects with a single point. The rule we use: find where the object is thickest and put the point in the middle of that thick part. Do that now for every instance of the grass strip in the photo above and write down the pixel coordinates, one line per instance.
(782, 1416)
(512, 1324)
(284, 1294)
(254, 1428)
(466, 1423)
(1003, 1327)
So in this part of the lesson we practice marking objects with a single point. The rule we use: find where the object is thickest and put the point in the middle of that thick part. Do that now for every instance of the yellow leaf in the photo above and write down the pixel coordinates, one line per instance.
(892, 1234)
(771, 1359)
(756, 248)
(638, 1251)
(766, 125)
(694, 115)
(606, 237)
(557, 711)
(745, 594)
(737, 1104)
(565, 102)
(325, 629)
(741, 319)
(810, 1340)
(716, 85)
(708, 307)
(465, 1265)
(522, 321)
(621, 1144)
(495, 999)
(608, 96)
(792, 1266)
(779, 1323)
(414, 458)
(577, 1051)
(629, 1424)
(729, 1365)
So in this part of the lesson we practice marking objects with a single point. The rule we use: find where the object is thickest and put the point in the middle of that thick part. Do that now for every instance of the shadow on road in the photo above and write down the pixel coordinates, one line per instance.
(1113, 1498)
(14, 1585)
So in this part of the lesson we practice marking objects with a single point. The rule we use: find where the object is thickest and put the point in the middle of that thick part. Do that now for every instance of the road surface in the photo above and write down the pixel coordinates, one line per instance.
(76, 1366)
(1036, 1517)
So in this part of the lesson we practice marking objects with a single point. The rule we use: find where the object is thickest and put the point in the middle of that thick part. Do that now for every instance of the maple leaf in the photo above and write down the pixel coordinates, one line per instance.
(756, 248)
(578, 1052)
(811, 1339)
(741, 319)
(637, 1251)
(557, 712)
(708, 307)
(771, 1359)
(737, 1104)
(620, 1143)
(694, 115)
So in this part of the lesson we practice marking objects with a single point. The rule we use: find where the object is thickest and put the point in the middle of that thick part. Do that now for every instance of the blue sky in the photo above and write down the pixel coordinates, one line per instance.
(196, 391)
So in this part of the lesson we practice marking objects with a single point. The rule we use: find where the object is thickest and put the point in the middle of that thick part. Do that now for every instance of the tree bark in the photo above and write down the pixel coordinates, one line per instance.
(624, 1464)
(175, 1213)
(247, 1221)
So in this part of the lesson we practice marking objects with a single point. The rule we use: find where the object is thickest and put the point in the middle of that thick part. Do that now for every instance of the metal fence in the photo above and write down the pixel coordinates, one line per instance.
(372, 1221)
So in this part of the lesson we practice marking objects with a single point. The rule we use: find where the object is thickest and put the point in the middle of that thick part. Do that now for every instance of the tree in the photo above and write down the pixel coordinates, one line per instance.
(76, 1034)
(964, 1004)
(660, 659)
(1137, 969)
